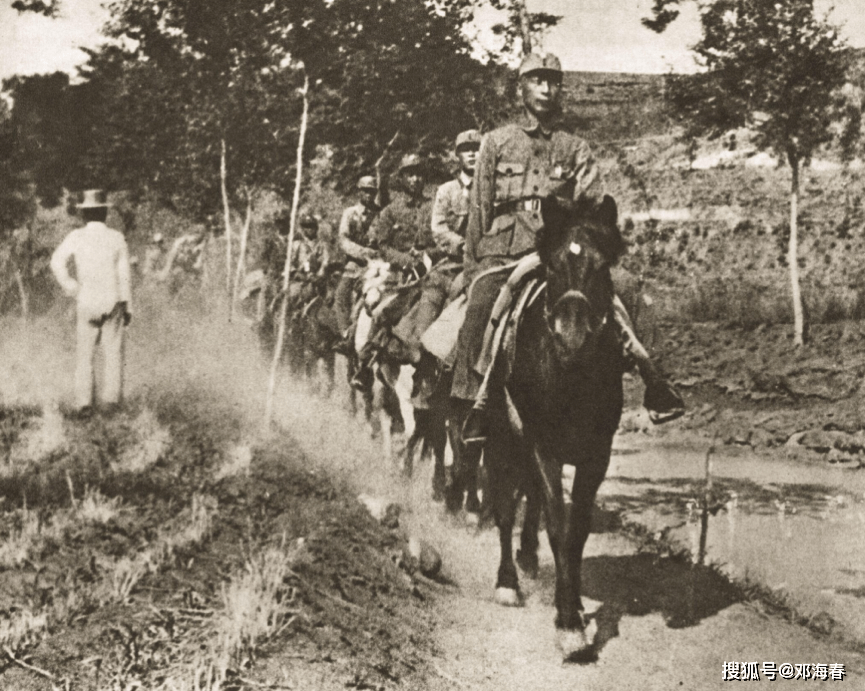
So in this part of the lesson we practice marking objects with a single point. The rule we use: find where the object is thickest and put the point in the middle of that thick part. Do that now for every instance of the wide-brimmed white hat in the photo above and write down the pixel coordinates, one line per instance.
(94, 199)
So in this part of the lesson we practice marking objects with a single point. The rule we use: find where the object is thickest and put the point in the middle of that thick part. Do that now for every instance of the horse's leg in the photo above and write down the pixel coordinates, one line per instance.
(457, 411)
(411, 446)
(527, 555)
(437, 440)
(329, 373)
(579, 633)
(380, 404)
(550, 477)
(504, 480)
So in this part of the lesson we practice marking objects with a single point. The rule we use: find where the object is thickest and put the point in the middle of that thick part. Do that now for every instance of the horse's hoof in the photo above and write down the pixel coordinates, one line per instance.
(528, 563)
(578, 645)
(508, 597)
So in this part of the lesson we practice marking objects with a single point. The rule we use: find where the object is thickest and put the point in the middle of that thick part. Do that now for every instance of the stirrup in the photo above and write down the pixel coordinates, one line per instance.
(660, 417)
(476, 427)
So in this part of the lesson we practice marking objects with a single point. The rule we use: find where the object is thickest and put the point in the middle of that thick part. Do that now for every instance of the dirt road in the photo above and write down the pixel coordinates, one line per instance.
(663, 624)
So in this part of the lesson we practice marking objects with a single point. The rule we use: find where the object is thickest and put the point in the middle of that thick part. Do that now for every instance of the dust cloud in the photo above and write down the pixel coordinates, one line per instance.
(186, 362)
(187, 365)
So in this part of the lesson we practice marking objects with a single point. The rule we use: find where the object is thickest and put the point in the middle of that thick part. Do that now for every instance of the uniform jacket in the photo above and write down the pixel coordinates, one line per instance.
(517, 163)
(450, 213)
(309, 257)
(101, 269)
(353, 235)
(402, 225)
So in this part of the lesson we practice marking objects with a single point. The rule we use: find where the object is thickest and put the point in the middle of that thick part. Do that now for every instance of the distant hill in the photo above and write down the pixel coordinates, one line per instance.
(612, 106)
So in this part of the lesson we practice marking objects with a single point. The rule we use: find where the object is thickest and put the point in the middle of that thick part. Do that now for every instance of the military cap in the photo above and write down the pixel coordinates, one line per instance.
(307, 220)
(468, 138)
(410, 161)
(94, 199)
(367, 182)
(533, 62)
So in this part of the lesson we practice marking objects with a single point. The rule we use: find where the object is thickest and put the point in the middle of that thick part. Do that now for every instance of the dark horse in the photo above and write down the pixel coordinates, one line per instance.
(560, 404)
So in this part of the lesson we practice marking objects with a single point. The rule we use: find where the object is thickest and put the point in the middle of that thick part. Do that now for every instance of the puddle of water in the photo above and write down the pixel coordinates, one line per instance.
(795, 529)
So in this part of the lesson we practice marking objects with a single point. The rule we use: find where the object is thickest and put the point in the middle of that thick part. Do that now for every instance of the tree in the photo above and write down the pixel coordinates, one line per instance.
(523, 28)
(18, 252)
(48, 8)
(774, 66)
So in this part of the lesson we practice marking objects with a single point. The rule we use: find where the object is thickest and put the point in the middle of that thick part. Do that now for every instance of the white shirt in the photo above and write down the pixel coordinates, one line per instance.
(101, 266)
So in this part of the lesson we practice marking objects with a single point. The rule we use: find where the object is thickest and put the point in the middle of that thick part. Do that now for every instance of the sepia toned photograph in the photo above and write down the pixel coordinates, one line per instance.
(407, 345)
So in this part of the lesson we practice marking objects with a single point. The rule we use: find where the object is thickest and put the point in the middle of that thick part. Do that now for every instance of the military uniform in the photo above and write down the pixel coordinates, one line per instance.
(518, 165)
(450, 214)
(102, 291)
(402, 226)
(353, 240)
(448, 226)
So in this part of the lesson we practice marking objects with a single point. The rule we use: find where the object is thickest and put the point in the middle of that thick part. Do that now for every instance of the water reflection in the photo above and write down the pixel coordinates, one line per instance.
(803, 541)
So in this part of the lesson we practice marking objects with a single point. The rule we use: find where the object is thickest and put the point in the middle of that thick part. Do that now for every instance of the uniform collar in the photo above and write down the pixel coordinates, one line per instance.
(531, 124)
(465, 179)
(412, 200)
(95, 224)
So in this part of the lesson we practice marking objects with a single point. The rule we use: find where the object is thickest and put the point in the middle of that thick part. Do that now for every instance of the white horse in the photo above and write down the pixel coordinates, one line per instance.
(392, 384)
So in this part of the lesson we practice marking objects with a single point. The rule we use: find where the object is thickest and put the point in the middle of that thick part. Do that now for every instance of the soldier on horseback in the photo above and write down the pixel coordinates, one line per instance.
(518, 166)
(402, 229)
(400, 235)
(448, 225)
(353, 242)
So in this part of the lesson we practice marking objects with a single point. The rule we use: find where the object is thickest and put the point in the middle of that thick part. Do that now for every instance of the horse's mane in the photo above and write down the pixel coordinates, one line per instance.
(599, 220)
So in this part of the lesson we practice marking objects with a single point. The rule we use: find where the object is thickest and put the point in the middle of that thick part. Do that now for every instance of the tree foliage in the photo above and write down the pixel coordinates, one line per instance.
(772, 65)
(47, 8)
(223, 69)
(523, 29)
(15, 194)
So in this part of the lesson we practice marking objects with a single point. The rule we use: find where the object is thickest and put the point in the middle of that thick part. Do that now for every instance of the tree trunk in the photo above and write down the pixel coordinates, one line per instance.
(22, 292)
(283, 308)
(793, 256)
(525, 26)
(223, 174)
(244, 235)
(382, 197)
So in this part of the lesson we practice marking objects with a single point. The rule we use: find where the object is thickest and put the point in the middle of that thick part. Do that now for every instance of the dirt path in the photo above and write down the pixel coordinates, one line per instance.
(662, 624)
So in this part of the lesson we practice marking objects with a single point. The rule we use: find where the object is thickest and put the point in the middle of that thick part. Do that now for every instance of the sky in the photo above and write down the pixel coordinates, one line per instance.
(595, 35)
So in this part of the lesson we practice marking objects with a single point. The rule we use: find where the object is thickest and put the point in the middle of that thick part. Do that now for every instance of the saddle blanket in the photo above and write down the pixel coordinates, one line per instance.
(440, 338)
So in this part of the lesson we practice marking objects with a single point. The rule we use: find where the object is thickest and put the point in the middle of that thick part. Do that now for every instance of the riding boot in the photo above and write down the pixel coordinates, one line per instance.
(476, 427)
(363, 377)
(661, 399)
(343, 346)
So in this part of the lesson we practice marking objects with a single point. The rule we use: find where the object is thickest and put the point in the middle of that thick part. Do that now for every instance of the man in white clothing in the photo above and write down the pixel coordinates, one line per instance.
(101, 287)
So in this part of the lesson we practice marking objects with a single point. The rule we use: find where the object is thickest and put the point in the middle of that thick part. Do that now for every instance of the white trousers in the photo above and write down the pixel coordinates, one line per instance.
(107, 332)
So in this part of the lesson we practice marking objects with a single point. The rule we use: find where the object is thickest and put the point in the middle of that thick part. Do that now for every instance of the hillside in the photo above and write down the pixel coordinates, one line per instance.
(610, 106)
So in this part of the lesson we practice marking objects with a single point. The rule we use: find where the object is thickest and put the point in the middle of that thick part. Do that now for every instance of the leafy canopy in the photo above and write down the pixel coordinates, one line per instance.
(772, 65)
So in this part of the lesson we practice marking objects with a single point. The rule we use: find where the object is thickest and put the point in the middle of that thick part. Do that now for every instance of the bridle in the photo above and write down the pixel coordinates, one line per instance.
(576, 249)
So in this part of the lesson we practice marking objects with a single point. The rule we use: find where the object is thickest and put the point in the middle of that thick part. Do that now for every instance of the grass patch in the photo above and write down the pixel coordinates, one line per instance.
(22, 541)
(255, 607)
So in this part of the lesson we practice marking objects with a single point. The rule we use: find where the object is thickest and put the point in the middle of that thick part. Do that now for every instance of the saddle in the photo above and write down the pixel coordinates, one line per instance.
(522, 287)
(440, 338)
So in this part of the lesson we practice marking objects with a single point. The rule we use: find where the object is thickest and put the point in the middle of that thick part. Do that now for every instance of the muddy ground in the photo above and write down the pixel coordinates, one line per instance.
(173, 545)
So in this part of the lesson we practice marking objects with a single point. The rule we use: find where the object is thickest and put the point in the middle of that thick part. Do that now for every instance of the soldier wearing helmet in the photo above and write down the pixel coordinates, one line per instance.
(451, 207)
(404, 224)
(353, 243)
(518, 166)
(153, 255)
(448, 227)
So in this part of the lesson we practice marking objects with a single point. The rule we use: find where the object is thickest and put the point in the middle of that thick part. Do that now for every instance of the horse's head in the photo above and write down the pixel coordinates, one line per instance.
(377, 279)
(577, 246)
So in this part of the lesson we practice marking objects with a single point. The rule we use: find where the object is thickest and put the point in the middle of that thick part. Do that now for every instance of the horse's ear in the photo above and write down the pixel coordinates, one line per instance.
(608, 212)
(609, 238)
